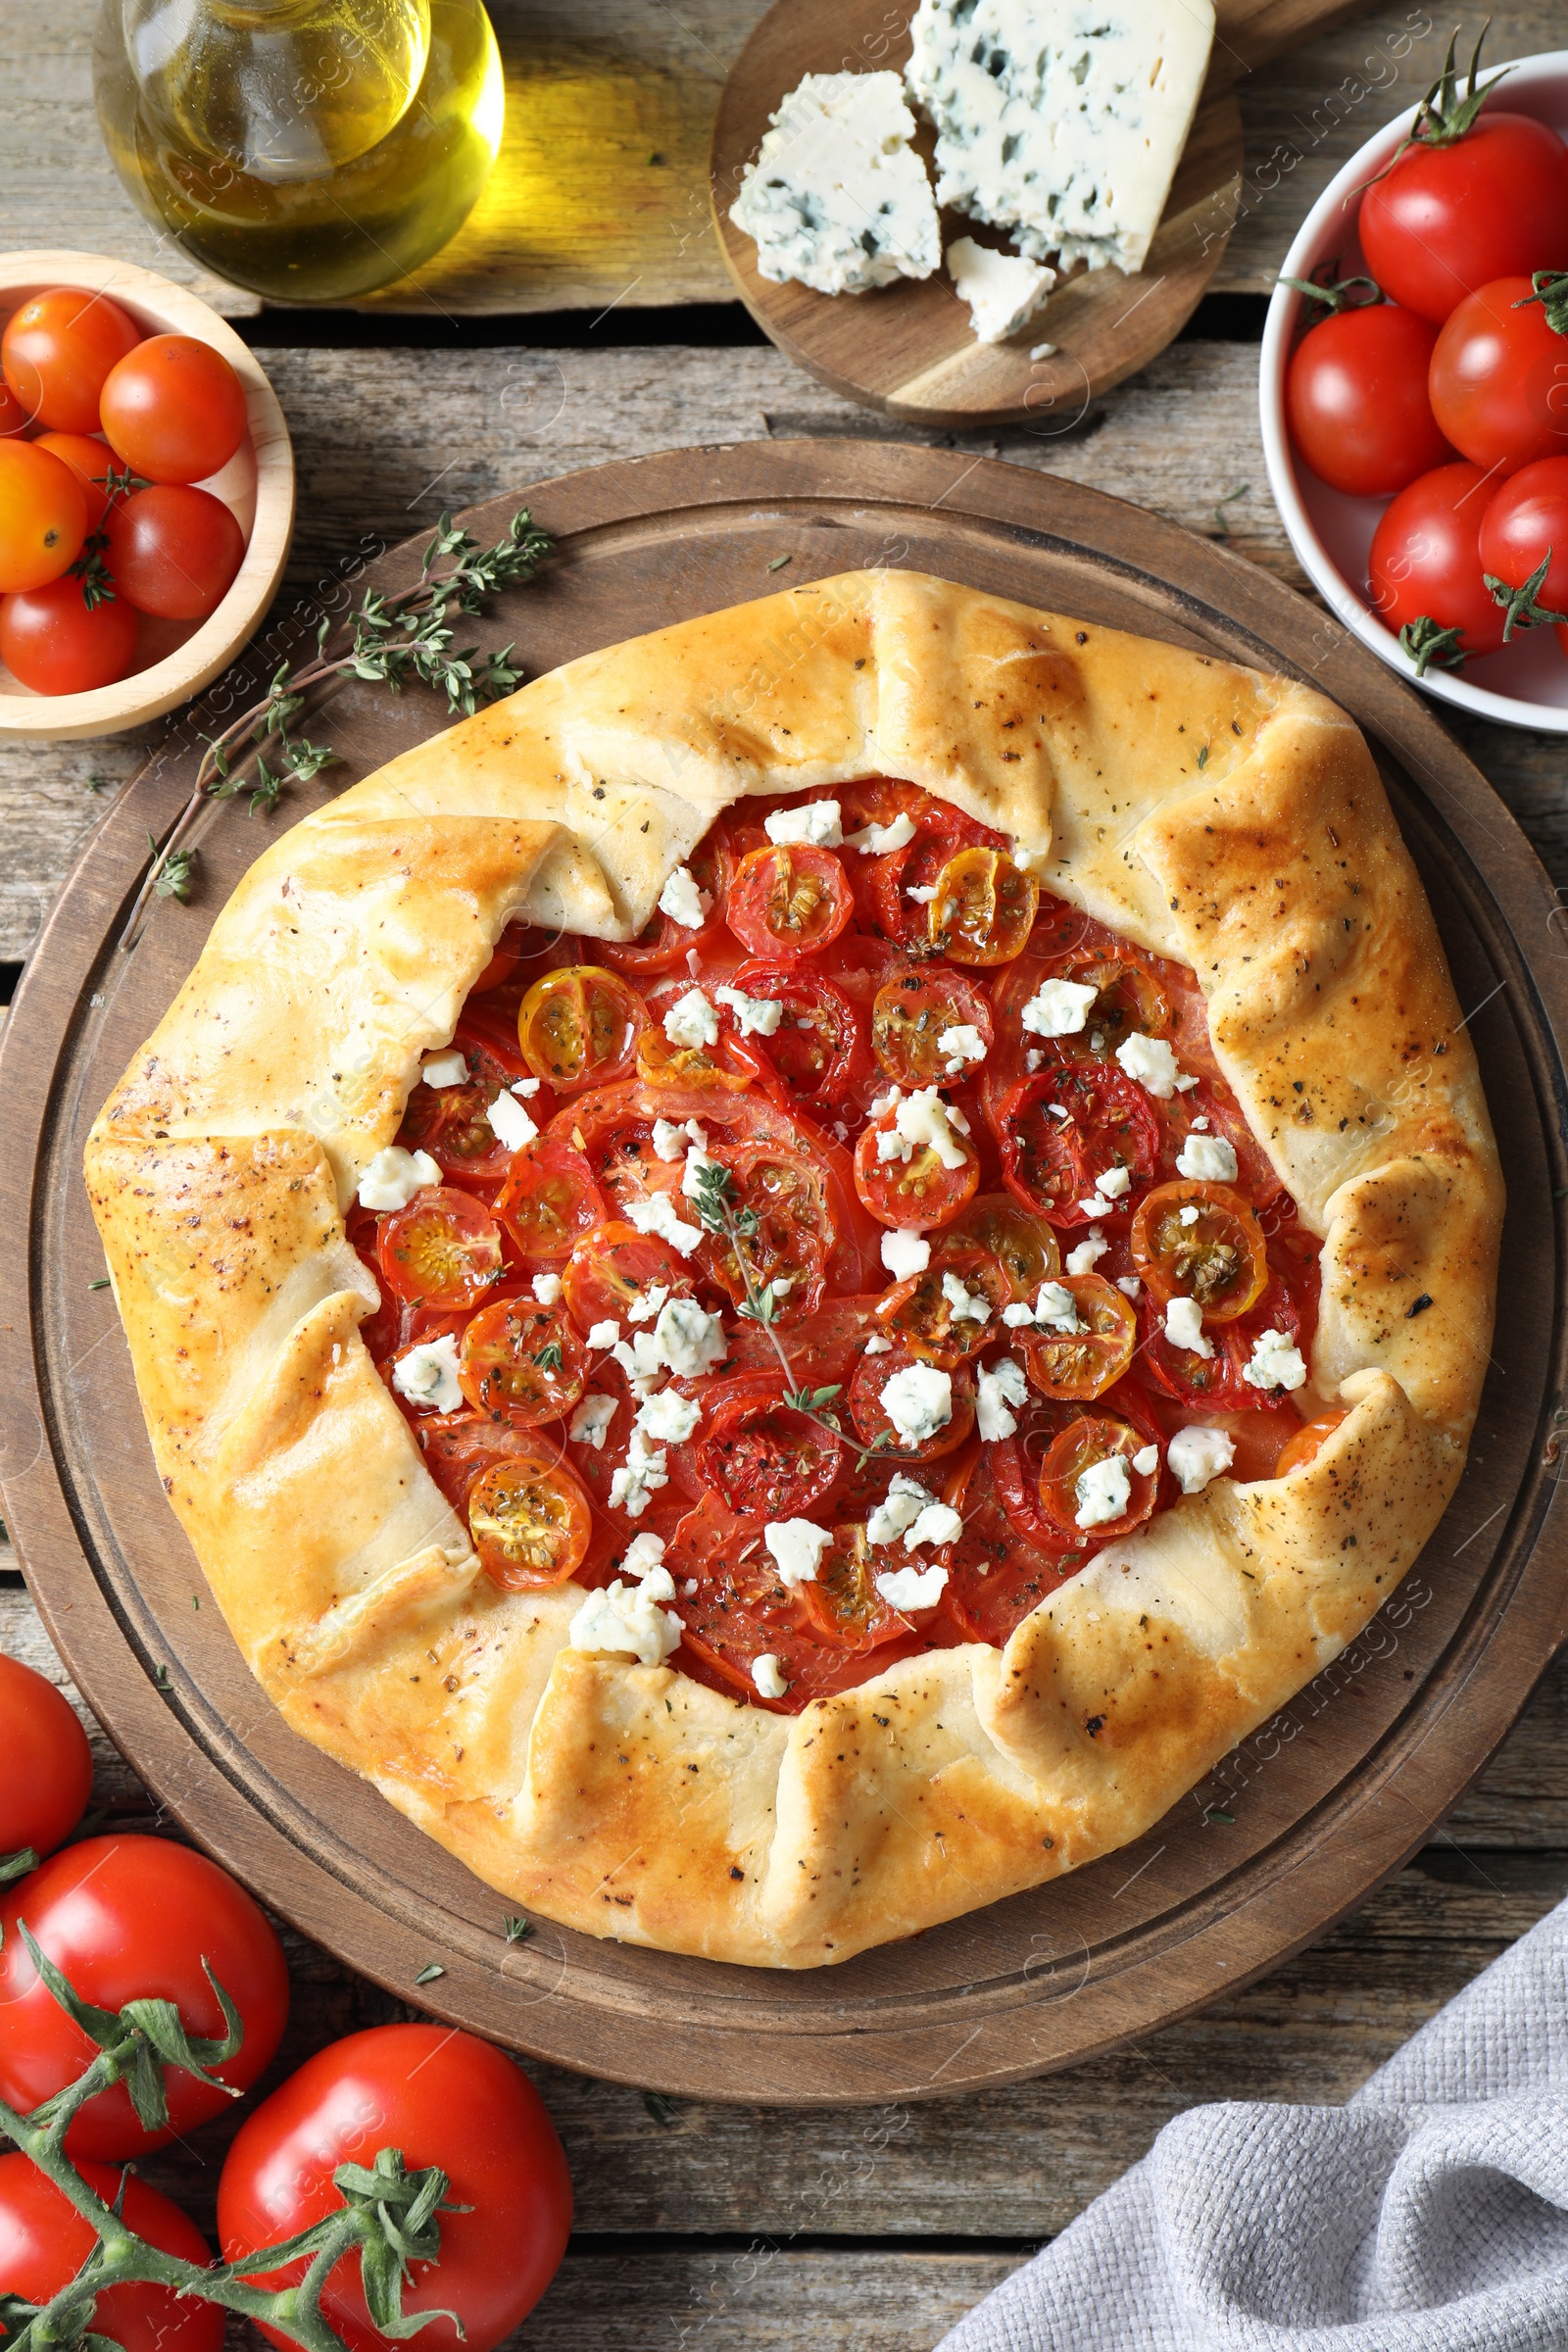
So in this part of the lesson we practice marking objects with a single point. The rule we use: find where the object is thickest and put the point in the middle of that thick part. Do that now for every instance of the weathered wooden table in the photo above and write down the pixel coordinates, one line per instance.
(548, 338)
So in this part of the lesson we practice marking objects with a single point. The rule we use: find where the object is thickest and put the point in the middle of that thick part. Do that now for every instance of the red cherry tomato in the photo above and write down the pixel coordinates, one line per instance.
(443, 2098)
(442, 1250)
(611, 1267)
(1446, 219)
(1499, 377)
(130, 1919)
(921, 1190)
(521, 1362)
(1083, 1445)
(786, 1192)
(1525, 526)
(873, 1421)
(174, 551)
(90, 461)
(818, 1049)
(919, 1314)
(1355, 395)
(45, 1763)
(550, 1200)
(174, 410)
(50, 641)
(761, 1457)
(450, 1122)
(1051, 1162)
(790, 900)
(1426, 565)
(43, 516)
(997, 1574)
(914, 1011)
(44, 2243)
(58, 351)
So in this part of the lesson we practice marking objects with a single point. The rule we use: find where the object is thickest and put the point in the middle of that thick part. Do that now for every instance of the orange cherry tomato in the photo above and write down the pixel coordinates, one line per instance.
(612, 1267)
(920, 1314)
(1078, 1366)
(58, 351)
(841, 1605)
(1022, 1244)
(1309, 1440)
(662, 1062)
(521, 1362)
(763, 1458)
(1091, 1438)
(1218, 1256)
(912, 1013)
(90, 461)
(921, 1190)
(442, 1250)
(873, 1421)
(460, 1448)
(794, 1233)
(174, 410)
(531, 1522)
(550, 1200)
(984, 909)
(43, 516)
(579, 1027)
(793, 900)
(13, 417)
(50, 641)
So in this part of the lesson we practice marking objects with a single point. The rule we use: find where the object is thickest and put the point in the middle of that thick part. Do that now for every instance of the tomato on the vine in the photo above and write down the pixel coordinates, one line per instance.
(1450, 215)
(44, 2241)
(174, 410)
(1425, 564)
(45, 1763)
(442, 2098)
(1525, 526)
(56, 352)
(173, 551)
(1499, 373)
(43, 516)
(53, 641)
(130, 1919)
(1355, 396)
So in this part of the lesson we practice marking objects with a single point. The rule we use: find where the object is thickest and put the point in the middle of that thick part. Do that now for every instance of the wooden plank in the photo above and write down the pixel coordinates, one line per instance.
(375, 439)
(578, 214)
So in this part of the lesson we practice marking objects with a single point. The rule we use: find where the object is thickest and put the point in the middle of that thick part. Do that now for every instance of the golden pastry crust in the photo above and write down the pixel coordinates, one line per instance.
(1228, 819)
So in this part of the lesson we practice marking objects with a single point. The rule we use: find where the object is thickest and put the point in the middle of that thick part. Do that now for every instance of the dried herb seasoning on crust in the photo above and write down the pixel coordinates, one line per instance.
(1250, 1194)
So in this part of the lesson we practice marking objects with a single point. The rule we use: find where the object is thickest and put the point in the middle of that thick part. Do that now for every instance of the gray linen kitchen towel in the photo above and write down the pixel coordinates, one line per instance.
(1430, 2215)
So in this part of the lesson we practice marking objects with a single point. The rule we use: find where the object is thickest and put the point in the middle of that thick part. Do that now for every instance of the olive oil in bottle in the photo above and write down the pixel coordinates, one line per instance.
(311, 150)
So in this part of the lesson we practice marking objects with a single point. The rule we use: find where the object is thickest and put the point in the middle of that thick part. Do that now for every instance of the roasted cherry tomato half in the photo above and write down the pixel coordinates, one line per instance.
(922, 1190)
(550, 1200)
(764, 1459)
(1310, 1440)
(914, 1013)
(1129, 1000)
(1217, 1255)
(1020, 1241)
(873, 1421)
(791, 900)
(841, 1605)
(531, 1522)
(675, 1060)
(742, 1611)
(951, 1311)
(997, 1576)
(521, 1362)
(579, 1027)
(616, 1267)
(1209, 1383)
(1076, 1366)
(1070, 1493)
(662, 945)
(450, 1122)
(984, 909)
(444, 1250)
(460, 1448)
(795, 1230)
(1060, 1132)
(818, 1049)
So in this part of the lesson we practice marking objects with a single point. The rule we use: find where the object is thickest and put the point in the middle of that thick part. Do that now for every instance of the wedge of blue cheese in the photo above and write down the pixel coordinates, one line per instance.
(838, 199)
(1062, 120)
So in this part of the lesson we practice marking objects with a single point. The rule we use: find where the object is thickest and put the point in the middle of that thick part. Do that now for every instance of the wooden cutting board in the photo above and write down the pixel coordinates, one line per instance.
(1300, 1823)
(909, 349)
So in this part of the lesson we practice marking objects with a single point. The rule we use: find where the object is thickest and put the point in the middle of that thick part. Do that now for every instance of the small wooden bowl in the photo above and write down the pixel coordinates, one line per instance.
(258, 484)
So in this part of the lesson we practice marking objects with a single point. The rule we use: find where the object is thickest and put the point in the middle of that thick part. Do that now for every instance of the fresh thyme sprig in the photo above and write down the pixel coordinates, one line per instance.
(394, 641)
(714, 1200)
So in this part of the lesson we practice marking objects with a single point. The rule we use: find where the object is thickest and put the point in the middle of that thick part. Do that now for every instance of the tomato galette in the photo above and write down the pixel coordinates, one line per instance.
(786, 1280)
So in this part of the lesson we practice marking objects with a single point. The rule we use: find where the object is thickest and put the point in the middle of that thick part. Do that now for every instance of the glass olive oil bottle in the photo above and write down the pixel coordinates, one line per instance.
(311, 150)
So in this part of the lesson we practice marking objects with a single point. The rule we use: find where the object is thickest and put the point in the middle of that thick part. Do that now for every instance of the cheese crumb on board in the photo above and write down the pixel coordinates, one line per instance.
(1003, 290)
(838, 199)
(1062, 120)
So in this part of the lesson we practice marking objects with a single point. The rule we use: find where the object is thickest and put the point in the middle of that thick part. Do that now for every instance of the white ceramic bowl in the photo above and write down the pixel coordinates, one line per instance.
(258, 484)
(1526, 684)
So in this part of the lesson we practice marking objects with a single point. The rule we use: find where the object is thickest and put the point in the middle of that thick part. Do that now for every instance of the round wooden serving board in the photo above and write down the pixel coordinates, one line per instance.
(1298, 1825)
(909, 349)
